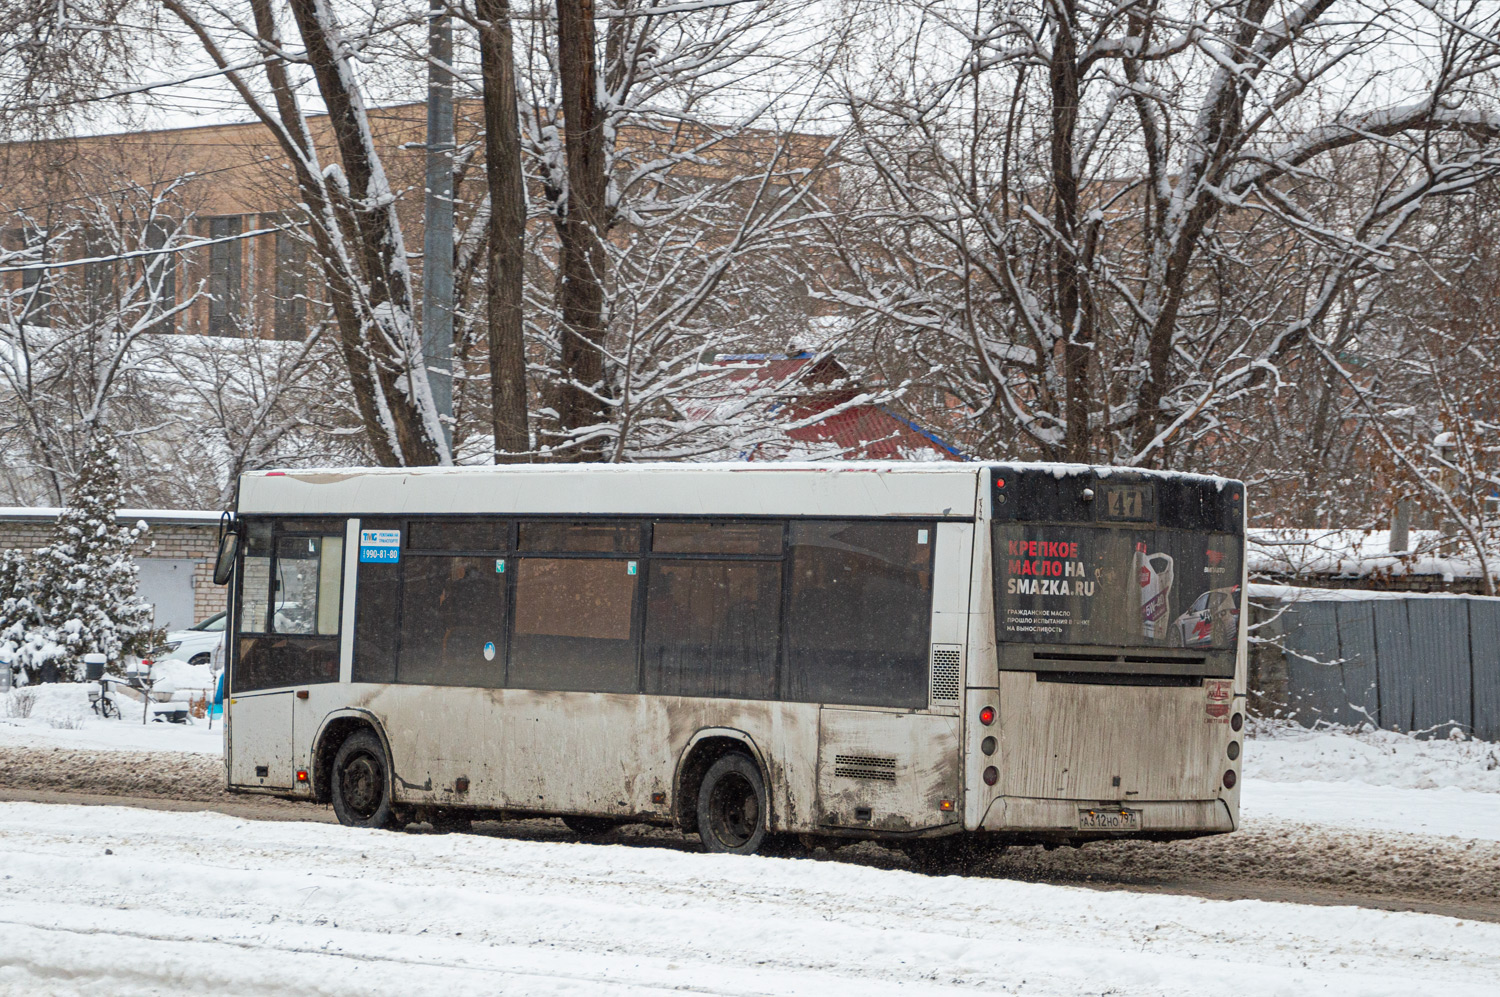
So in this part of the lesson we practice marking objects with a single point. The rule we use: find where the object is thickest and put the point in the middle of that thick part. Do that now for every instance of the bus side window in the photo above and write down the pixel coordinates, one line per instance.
(711, 628)
(573, 624)
(452, 621)
(860, 614)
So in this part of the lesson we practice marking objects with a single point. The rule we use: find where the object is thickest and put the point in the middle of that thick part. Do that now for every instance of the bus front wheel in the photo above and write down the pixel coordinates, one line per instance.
(361, 782)
(732, 806)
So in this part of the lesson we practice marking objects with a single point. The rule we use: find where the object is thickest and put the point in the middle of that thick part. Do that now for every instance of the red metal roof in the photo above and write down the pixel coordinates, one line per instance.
(802, 386)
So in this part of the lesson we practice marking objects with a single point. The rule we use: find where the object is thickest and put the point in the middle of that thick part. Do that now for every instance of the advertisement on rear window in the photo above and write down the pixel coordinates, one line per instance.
(1131, 588)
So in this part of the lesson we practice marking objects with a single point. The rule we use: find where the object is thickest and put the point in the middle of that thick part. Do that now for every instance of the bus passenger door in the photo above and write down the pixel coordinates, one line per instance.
(260, 740)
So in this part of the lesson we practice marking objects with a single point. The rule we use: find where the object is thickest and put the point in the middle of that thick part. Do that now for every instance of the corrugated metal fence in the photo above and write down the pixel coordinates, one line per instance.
(1409, 662)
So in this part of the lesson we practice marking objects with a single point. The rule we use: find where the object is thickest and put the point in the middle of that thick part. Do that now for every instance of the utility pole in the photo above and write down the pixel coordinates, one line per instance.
(437, 238)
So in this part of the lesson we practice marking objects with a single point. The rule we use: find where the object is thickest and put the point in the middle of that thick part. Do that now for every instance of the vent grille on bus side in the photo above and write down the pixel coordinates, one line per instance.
(946, 679)
(863, 767)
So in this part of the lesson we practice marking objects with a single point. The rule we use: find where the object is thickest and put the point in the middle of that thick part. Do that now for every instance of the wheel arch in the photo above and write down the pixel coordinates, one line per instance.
(705, 747)
(334, 731)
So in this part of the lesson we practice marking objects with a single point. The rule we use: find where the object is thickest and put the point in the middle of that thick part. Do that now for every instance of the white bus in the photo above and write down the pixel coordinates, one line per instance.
(1002, 653)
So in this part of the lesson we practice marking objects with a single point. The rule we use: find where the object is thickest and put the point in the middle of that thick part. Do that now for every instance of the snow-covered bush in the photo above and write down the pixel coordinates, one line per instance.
(20, 703)
(78, 594)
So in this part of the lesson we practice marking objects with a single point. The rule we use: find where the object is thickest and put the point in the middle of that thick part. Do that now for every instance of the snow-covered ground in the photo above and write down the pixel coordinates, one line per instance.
(102, 900)
(1373, 780)
(106, 900)
(62, 718)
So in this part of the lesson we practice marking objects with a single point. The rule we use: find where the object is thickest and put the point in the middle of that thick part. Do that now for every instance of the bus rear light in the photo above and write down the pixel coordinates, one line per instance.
(1237, 722)
(301, 775)
(945, 804)
(991, 775)
(987, 715)
(1234, 750)
(988, 745)
(1230, 779)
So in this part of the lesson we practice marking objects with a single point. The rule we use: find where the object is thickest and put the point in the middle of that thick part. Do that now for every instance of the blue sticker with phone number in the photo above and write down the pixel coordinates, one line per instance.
(379, 546)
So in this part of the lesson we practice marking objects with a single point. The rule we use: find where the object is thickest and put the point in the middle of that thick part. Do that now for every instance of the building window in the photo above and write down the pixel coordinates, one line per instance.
(291, 286)
(224, 275)
(36, 285)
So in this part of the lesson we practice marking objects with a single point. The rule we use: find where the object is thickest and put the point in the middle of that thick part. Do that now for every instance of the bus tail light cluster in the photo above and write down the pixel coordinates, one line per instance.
(1230, 779)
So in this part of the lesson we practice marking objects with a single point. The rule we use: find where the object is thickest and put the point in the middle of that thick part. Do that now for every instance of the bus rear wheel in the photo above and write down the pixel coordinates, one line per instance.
(361, 787)
(732, 806)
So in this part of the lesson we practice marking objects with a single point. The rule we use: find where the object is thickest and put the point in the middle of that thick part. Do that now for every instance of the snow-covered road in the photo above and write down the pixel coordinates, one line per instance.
(103, 900)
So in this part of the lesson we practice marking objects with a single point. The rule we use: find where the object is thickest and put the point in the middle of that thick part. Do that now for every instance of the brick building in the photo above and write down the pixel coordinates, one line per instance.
(228, 190)
(175, 556)
(81, 198)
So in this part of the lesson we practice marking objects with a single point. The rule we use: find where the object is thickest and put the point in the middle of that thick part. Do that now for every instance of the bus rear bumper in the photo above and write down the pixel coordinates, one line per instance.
(1064, 818)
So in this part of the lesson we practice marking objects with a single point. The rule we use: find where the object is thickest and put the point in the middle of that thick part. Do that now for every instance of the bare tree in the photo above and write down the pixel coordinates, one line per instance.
(506, 232)
(76, 351)
(1099, 227)
(686, 237)
(351, 210)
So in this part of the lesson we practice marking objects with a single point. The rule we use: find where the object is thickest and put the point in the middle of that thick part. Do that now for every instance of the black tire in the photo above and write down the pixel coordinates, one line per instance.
(200, 659)
(361, 782)
(588, 827)
(732, 806)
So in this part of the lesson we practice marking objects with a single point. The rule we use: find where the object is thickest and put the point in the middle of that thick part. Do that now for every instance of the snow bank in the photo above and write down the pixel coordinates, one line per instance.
(1339, 808)
(235, 906)
(61, 717)
(1285, 752)
(182, 678)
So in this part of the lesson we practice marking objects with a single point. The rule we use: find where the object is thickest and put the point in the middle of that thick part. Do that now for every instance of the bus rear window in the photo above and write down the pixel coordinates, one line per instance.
(1145, 587)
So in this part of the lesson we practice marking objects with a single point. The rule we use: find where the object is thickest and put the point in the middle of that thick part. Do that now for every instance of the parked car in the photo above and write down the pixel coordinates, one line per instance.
(195, 645)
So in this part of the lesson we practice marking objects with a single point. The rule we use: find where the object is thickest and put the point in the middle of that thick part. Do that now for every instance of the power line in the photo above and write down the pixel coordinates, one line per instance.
(136, 254)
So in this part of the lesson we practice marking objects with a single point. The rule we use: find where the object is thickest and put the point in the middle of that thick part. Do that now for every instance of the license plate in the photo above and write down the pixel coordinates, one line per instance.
(1109, 820)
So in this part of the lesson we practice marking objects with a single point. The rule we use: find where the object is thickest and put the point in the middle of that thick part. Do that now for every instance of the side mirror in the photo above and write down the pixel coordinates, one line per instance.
(229, 546)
